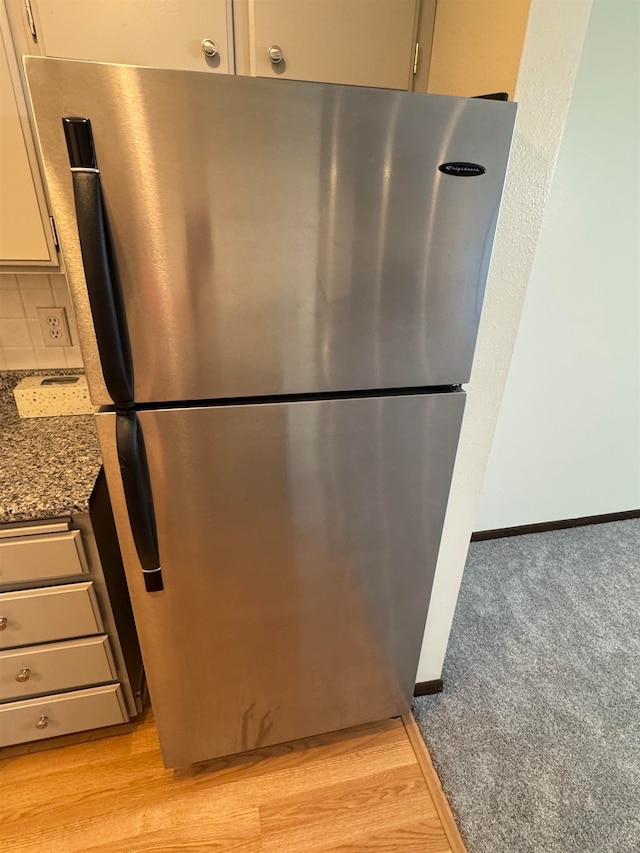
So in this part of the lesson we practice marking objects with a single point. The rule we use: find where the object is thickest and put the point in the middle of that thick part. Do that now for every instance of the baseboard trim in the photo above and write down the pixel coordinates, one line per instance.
(546, 526)
(427, 688)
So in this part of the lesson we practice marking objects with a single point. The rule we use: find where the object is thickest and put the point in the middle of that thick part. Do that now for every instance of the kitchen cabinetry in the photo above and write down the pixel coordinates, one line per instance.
(362, 42)
(26, 558)
(25, 234)
(69, 659)
(162, 33)
(61, 714)
(48, 613)
(55, 667)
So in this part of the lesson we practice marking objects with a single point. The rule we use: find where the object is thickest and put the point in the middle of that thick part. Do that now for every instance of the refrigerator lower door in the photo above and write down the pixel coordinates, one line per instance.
(298, 543)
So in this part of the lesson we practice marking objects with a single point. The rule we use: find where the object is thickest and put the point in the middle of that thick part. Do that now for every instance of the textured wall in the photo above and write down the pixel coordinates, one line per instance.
(550, 59)
(567, 442)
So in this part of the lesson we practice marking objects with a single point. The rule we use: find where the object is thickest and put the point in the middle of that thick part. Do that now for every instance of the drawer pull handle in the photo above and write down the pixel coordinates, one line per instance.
(3, 623)
(23, 675)
(43, 722)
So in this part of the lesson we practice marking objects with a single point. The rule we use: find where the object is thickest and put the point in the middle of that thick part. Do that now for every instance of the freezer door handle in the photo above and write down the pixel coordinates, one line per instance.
(98, 260)
(138, 496)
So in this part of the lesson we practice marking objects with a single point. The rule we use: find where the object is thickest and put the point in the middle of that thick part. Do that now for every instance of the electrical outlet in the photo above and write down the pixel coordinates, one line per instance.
(54, 326)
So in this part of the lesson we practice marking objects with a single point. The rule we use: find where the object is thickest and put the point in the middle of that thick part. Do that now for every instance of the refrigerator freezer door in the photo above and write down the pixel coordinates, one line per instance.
(279, 237)
(298, 543)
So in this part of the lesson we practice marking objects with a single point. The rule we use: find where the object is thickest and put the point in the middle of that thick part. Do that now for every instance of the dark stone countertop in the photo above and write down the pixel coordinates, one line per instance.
(48, 466)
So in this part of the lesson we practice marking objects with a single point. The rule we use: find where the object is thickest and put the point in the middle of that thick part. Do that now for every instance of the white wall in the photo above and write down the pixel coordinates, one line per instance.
(550, 58)
(567, 443)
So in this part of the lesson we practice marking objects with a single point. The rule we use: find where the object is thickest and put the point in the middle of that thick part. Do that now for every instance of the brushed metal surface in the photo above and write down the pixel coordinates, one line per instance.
(275, 236)
(298, 544)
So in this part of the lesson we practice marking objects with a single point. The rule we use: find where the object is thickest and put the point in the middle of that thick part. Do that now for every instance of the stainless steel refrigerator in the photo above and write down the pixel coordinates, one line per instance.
(278, 286)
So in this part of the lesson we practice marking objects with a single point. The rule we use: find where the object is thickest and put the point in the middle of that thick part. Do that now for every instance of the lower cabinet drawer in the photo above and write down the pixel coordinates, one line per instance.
(52, 613)
(32, 558)
(62, 714)
(54, 667)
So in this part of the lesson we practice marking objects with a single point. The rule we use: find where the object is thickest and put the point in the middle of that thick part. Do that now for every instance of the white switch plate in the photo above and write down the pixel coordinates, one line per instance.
(54, 326)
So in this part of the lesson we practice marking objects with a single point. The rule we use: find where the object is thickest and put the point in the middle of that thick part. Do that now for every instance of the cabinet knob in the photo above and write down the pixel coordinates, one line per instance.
(23, 675)
(209, 47)
(43, 722)
(275, 54)
(3, 623)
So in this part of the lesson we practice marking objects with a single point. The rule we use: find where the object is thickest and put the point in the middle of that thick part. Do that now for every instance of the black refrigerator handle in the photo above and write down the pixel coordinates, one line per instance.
(137, 492)
(98, 261)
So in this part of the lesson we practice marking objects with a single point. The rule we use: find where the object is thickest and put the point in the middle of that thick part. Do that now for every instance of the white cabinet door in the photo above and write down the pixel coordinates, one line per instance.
(23, 217)
(61, 714)
(31, 616)
(362, 42)
(30, 558)
(158, 33)
(53, 667)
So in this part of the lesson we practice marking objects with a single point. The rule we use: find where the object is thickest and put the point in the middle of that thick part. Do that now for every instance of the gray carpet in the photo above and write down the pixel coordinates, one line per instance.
(536, 736)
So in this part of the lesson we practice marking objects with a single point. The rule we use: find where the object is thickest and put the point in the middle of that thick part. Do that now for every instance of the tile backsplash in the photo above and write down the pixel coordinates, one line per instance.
(21, 342)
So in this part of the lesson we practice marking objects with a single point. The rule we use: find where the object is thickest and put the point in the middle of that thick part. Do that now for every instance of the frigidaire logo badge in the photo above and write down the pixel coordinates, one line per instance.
(462, 170)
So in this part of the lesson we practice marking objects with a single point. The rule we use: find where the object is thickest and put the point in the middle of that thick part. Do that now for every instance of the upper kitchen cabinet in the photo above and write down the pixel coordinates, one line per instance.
(159, 33)
(25, 235)
(361, 42)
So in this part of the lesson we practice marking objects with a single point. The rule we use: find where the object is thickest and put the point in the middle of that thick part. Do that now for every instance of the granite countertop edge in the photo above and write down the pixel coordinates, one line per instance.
(49, 466)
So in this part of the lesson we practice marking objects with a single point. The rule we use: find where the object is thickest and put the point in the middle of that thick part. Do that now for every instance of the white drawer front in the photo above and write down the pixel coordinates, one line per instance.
(55, 613)
(35, 719)
(55, 667)
(52, 555)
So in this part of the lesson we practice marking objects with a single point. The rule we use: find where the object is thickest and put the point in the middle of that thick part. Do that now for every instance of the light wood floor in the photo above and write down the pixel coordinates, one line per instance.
(369, 790)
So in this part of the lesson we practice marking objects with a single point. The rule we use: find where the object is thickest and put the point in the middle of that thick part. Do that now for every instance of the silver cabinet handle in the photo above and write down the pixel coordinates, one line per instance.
(275, 54)
(43, 722)
(209, 47)
(3, 623)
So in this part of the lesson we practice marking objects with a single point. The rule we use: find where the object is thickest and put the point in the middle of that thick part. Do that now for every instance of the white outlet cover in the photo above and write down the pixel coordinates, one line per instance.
(54, 327)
